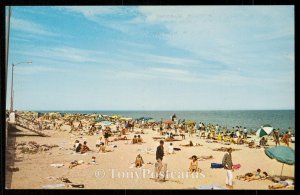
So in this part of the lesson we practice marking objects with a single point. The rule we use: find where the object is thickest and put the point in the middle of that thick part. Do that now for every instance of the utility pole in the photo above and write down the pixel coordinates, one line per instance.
(7, 48)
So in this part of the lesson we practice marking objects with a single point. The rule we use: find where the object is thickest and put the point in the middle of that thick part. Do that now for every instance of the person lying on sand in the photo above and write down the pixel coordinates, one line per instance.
(120, 138)
(84, 148)
(73, 164)
(253, 176)
(171, 139)
(224, 149)
(190, 144)
(282, 184)
(200, 158)
(139, 161)
(194, 165)
(103, 148)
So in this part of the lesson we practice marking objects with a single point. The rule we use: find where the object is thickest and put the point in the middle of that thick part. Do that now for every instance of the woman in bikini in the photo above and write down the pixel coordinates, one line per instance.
(194, 165)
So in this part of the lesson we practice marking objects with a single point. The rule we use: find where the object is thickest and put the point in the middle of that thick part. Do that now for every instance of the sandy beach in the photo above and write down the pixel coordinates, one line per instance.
(114, 170)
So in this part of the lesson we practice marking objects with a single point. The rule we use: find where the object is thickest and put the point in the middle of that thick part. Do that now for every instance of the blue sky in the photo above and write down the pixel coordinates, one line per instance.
(152, 57)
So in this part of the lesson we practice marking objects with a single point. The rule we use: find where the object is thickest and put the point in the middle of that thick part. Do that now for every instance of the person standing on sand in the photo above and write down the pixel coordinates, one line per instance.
(286, 139)
(227, 163)
(276, 137)
(159, 158)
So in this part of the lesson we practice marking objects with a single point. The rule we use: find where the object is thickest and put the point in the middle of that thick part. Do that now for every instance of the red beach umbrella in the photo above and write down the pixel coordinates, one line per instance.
(168, 122)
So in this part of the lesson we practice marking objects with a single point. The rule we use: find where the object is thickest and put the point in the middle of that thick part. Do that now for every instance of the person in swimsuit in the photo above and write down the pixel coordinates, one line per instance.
(139, 161)
(194, 164)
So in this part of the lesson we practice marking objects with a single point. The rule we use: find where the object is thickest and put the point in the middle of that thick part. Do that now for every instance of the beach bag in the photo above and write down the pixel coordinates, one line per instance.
(216, 166)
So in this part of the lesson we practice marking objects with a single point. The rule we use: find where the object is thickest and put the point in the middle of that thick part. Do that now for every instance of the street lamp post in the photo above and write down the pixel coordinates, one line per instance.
(12, 83)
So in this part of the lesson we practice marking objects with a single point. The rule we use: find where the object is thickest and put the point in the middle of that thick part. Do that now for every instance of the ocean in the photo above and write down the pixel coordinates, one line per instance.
(251, 119)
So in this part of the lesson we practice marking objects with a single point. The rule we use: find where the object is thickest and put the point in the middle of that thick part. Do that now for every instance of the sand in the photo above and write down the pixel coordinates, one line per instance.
(114, 169)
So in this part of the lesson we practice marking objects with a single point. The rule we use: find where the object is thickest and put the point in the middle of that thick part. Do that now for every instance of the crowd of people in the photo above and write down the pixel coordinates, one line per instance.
(237, 135)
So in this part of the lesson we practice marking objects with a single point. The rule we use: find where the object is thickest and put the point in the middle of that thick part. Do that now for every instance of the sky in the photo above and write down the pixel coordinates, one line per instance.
(152, 57)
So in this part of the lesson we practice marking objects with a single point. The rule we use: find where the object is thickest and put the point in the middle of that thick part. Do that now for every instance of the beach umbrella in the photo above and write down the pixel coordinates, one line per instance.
(282, 154)
(116, 116)
(168, 122)
(189, 122)
(151, 121)
(99, 119)
(125, 119)
(264, 130)
(105, 123)
(210, 187)
(144, 118)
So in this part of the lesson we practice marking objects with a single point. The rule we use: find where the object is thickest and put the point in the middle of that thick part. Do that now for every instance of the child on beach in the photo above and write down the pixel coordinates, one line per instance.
(98, 142)
(139, 161)
(170, 149)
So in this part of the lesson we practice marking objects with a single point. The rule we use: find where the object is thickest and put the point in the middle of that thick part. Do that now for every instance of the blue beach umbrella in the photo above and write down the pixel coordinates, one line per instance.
(282, 154)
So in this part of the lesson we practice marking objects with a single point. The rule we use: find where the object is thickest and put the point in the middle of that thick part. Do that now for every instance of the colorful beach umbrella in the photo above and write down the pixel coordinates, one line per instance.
(282, 154)
(168, 122)
(264, 130)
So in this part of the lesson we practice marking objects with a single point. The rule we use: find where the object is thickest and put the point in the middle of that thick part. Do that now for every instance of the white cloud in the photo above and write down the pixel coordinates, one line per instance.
(90, 12)
(28, 70)
(31, 27)
(169, 71)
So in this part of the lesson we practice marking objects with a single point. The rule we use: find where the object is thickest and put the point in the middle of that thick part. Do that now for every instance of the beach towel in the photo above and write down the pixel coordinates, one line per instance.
(52, 186)
(236, 167)
(216, 166)
(57, 165)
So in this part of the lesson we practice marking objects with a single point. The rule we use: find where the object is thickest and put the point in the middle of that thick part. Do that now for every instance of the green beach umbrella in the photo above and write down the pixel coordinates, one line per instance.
(264, 130)
(99, 119)
(282, 154)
